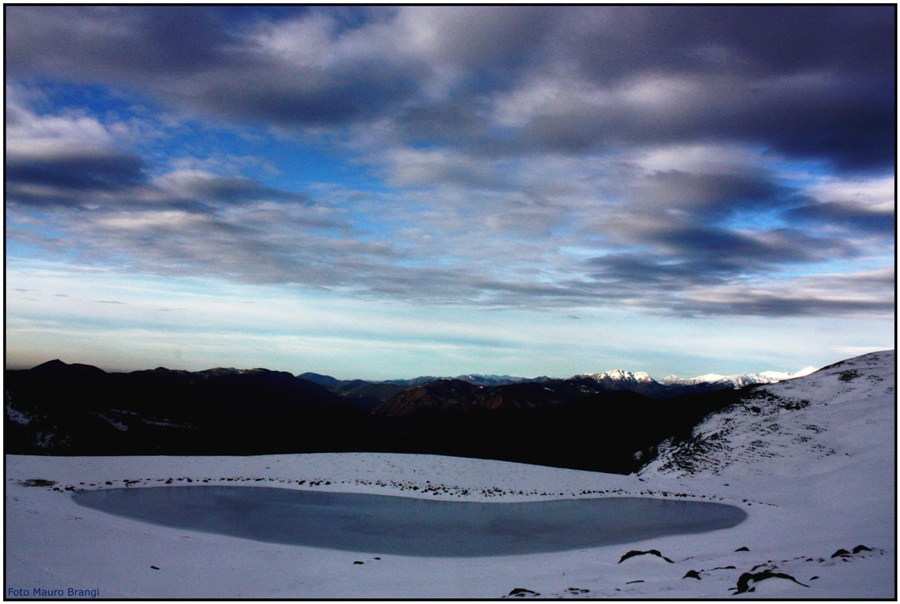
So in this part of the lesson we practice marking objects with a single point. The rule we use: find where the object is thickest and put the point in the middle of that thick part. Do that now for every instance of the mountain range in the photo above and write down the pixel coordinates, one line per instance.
(616, 379)
(611, 421)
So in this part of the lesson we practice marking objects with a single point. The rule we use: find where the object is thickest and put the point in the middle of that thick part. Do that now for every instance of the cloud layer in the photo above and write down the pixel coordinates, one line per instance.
(682, 160)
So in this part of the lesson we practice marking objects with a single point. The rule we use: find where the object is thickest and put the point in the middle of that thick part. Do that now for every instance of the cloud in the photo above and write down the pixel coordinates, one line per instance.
(808, 81)
(73, 168)
(867, 293)
(685, 257)
(99, 43)
(527, 156)
(863, 208)
(714, 194)
(846, 215)
(63, 159)
(221, 190)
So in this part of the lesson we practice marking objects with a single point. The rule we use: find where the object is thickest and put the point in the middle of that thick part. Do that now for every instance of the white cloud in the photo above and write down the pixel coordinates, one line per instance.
(25, 127)
(877, 193)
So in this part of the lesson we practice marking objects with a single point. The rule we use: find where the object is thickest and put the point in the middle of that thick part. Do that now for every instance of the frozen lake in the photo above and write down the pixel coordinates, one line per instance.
(410, 526)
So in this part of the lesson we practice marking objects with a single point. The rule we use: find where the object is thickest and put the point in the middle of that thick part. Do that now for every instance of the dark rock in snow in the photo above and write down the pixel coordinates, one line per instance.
(747, 582)
(861, 548)
(521, 592)
(840, 553)
(634, 552)
(37, 482)
(691, 574)
(743, 549)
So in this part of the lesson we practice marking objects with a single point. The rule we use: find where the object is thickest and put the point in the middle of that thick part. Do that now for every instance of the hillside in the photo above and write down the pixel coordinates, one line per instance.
(840, 412)
(62, 409)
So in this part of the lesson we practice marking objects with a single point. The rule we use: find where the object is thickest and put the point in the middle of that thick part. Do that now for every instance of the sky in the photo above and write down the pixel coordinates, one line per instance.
(385, 192)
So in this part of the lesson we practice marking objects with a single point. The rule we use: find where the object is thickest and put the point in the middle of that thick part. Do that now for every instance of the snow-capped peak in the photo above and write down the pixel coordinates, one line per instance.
(619, 375)
(737, 381)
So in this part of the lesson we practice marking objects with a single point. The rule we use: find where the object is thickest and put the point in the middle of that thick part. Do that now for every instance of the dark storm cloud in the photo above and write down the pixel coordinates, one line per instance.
(108, 179)
(806, 81)
(186, 56)
(296, 98)
(814, 81)
(617, 42)
(218, 190)
(681, 290)
(782, 306)
(712, 195)
(841, 118)
(721, 248)
(99, 43)
(693, 255)
(68, 170)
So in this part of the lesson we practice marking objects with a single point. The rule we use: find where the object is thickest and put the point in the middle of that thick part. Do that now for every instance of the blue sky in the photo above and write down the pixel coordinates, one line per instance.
(386, 192)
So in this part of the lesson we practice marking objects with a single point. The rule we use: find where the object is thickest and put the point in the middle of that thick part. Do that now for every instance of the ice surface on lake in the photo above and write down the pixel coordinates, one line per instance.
(408, 526)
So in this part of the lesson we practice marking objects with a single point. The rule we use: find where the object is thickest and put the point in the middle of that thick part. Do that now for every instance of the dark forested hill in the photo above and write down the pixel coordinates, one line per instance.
(62, 409)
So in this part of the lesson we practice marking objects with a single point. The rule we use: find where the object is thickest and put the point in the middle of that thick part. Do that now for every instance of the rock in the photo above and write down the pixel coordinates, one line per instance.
(521, 592)
(637, 581)
(861, 548)
(358, 562)
(840, 553)
(634, 552)
(743, 549)
(747, 582)
(37, 482)
(691, 574)
(154, 567)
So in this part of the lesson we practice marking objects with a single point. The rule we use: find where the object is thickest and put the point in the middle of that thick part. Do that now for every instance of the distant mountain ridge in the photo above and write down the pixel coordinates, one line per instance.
(611, 421)
(72, 409)
(472, 378)
(741, 380)
(615, 379)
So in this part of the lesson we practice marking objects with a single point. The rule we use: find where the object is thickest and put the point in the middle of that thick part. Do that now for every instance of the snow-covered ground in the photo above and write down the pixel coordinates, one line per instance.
(810, 460)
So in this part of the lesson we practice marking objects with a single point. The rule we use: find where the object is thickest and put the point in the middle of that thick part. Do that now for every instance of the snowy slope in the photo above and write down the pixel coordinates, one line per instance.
(813, 468)
(844, 410)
